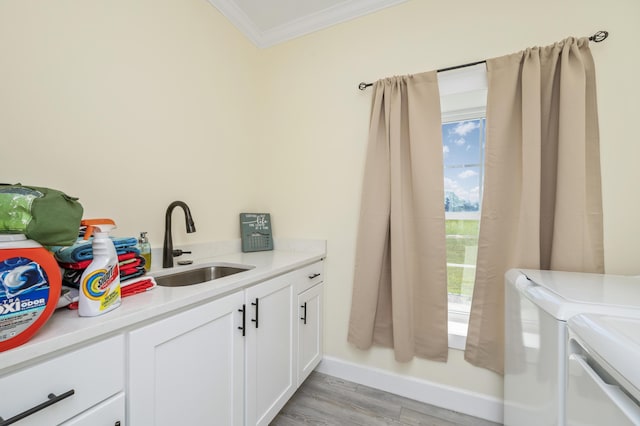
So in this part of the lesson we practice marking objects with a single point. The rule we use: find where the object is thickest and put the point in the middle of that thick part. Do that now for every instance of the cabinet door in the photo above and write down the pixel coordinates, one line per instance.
(271, 332)
(188, 369)
(309, 331)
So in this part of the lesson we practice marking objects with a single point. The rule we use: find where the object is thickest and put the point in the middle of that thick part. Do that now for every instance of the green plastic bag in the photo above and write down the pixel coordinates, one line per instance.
(45, 215)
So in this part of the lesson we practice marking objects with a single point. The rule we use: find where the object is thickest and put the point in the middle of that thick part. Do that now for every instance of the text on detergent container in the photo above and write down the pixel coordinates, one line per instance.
(16, 305)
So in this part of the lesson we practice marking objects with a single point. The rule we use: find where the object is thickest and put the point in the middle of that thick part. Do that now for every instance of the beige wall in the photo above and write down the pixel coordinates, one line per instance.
(317, 129)
(130, 105)
(133, 104)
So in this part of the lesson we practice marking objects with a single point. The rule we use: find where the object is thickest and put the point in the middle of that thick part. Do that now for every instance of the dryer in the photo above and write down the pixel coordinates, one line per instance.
(538, 305)
(603, 374)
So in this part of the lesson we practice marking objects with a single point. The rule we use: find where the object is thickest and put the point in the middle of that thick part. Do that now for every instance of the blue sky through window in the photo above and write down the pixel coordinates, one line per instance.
(462, 146)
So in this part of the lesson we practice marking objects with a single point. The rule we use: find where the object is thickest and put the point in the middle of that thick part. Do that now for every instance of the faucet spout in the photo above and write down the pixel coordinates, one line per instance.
(167, 248)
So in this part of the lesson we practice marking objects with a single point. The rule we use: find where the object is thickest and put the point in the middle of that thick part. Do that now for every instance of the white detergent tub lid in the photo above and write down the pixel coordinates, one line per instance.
(14, 241)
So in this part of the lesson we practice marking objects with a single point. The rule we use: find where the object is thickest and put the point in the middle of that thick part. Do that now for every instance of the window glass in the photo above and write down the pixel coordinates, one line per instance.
(463, 154)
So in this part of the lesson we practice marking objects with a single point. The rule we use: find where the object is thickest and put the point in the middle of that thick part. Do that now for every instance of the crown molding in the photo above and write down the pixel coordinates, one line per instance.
(304, 25)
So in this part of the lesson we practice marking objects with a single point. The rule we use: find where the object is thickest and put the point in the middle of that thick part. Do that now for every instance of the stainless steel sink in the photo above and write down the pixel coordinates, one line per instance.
(199, 275)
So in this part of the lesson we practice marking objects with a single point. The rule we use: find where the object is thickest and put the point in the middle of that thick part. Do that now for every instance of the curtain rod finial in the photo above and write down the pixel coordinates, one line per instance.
(599, 36)
(363, 85)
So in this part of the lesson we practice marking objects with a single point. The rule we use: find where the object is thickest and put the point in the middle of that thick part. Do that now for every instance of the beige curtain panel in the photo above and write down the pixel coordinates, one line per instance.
(542, 203)
(400, 289)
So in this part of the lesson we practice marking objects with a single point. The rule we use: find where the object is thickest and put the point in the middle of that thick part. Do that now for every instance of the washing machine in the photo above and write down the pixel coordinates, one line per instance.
(603, 385)
(538, 305)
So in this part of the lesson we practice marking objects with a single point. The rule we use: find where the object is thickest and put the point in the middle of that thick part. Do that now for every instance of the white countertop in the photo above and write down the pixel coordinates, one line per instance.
(65, 328)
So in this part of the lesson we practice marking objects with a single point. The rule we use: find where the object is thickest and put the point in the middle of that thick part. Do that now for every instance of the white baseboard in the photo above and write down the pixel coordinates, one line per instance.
(459, 400)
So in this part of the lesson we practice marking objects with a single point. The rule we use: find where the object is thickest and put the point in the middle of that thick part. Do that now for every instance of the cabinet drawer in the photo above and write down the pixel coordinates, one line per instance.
(93, 373)
(309, 276)
(108, 413)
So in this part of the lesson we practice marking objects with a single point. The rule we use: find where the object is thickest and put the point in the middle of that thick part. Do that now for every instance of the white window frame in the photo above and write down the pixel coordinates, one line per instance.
(463, 95)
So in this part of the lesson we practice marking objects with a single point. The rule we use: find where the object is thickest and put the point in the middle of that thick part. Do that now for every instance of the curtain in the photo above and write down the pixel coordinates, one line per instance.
(542, 203)
(399, 295)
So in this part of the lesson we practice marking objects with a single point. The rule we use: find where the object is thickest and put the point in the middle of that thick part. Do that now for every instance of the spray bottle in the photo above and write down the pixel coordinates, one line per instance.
(100, 282)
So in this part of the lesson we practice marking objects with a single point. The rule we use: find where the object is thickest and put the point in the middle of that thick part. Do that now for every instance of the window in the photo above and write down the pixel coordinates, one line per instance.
(463, 103)
(463, 151)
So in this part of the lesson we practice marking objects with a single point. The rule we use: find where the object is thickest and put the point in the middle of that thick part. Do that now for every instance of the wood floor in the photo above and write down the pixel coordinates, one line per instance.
(326, 400)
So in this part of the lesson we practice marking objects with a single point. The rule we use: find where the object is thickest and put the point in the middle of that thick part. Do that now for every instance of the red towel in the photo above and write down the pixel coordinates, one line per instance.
(84, 263)
(136, 286)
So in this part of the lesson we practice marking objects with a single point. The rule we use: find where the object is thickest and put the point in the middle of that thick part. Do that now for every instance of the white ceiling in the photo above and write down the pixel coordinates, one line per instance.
(269, 22)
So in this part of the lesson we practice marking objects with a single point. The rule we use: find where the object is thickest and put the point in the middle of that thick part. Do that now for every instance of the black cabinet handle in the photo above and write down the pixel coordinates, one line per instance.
(53, 399)
(304, 317)
(257, 306)
(244, 318)
(312, 276)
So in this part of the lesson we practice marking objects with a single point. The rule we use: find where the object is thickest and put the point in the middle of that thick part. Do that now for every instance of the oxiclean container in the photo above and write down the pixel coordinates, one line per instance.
(30, 284)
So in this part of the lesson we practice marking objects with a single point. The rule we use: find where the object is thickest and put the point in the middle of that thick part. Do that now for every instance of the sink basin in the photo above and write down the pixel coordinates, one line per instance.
(198, 275)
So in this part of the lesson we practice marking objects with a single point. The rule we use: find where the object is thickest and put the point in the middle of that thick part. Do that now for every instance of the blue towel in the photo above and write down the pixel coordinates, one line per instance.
(138, 273)
(81, 249)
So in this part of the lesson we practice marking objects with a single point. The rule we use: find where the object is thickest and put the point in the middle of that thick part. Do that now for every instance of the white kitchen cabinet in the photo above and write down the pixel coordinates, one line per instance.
(309, 331)
(190, 366)
(231, 361)
(270, 347)
(62, 387)
(309, 281)
(188, 369)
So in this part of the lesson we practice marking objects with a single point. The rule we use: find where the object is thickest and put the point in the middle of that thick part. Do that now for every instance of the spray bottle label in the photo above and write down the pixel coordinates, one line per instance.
(96, 286)
(24, 293)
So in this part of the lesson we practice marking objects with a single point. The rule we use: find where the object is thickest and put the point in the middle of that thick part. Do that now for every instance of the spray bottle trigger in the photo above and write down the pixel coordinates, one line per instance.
(91, 224)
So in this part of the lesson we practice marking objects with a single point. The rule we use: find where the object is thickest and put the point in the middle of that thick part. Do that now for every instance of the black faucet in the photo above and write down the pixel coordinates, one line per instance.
(167, 249)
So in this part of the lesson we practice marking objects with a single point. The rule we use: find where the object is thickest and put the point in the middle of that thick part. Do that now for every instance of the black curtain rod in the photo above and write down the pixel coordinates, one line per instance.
(597, 38)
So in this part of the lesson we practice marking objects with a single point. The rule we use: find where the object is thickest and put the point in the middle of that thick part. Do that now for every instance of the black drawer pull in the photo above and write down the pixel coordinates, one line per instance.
(257, 305)
(312, 276)
(53, 399)
(244, 319)
(304, 317)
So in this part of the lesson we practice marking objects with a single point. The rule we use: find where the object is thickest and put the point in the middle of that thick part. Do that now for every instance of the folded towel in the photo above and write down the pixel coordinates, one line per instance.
(69, 298)
(136, 262)
(81, 249)
(137, 286)
(129, 268)
(131, 274)
(83, 264)
(71, 277)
